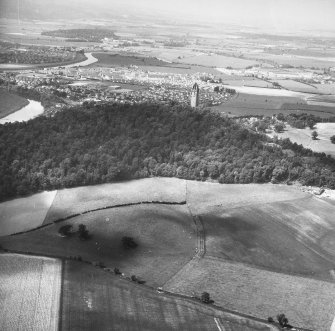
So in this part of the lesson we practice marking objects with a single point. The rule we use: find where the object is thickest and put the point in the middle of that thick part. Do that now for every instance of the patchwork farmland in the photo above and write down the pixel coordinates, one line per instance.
(274, 241)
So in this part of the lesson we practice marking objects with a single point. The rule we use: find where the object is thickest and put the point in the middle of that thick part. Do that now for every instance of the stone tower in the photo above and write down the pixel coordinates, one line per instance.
(195, 96)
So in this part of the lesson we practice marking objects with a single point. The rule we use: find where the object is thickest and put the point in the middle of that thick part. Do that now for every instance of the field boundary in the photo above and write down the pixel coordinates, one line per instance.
(209, 309)
(60, 308)
(98, 209)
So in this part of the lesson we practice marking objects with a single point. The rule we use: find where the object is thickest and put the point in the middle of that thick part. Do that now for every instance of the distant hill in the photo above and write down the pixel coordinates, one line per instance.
(44, 9)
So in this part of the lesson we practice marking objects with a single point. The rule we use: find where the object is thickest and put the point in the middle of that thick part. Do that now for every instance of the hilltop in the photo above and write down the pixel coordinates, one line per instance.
(109, 143)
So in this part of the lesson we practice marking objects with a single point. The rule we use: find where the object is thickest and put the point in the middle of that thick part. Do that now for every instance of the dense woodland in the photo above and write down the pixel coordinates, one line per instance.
(92, 35)
(106, 143)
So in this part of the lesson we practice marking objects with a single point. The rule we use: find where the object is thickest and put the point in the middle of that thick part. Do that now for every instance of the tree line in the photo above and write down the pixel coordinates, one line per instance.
(106, 143)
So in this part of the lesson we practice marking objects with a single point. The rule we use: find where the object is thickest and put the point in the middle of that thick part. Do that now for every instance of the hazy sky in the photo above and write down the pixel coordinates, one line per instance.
(273, 15)
(276, 14)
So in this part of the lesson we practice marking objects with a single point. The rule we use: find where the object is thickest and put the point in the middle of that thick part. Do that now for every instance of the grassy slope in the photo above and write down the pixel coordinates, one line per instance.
(274, 227)
(306, 302)
(97, 300)
(274, 236)
(80, 199)
(29, 285)
(10, 103)
(24, 213)
(304, 137)
(165, 234)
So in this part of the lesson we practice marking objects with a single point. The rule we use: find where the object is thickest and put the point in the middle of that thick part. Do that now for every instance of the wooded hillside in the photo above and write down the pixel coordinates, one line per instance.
(115, 142)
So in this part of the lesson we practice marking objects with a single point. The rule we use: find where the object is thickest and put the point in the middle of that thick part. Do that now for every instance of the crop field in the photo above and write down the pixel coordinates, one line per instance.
(295, 60)
(240, 222)
(254, 104)
(302, 229)
(166, 238)
(296, 86)
(217, 61)
(10, 103)
(24, 213)
(306, 302)
(30, 293)
(77, 200)
(325, 88)
(97, 300)
(304, 137)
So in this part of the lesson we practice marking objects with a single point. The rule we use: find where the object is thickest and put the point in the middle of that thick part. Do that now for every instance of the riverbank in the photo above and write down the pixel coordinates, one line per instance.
(10, 103)
(26, 113)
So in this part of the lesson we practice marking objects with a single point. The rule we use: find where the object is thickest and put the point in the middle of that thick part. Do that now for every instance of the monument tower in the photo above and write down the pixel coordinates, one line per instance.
(195, 96)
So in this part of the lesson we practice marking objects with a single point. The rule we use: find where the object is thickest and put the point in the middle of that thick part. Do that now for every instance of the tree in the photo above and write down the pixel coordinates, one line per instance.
(83, 232)
(314, 135)
(311, 122)
(279, 127)
(332, 139)
(282, 320)
(128, 242)
(65, 230)
(205, 297)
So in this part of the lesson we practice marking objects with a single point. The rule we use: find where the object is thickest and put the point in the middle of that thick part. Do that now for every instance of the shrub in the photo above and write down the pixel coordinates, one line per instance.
(65, 230)
(128, 242)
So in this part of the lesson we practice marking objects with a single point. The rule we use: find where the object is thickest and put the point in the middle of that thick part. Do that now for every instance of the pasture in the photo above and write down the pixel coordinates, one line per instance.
(10, 103)
(24, 214)
(255, 104)
(30, 293)
(165, 235)
(240, 222)
(78, 200)
(299, 246)
(96, 300)
(306, 302)
(304, 137)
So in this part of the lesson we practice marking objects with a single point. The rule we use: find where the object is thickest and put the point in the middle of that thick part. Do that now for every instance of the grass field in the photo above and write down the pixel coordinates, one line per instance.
(245, 234)
(253, 104)
(240, 222)
(165, 235)
(10, 103)
(257, 104)
(77, 200)
(30, 293)
(304, 137)
(25, 213)
(306, 302)
(296, 86)
(96, 300)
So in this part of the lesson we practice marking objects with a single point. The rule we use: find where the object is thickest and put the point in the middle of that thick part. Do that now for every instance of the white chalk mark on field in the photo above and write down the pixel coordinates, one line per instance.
(220, 326)
(332, 328)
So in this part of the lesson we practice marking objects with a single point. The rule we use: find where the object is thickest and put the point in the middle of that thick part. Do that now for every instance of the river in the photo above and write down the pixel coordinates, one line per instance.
(33, 109)
(90, 59)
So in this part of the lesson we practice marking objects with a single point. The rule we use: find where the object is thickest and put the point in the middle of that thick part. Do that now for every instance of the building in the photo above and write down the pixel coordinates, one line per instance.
(195, 96)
